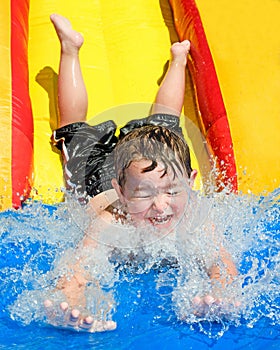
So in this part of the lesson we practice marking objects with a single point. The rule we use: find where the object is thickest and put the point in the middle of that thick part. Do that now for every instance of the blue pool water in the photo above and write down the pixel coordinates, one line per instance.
(33, 238)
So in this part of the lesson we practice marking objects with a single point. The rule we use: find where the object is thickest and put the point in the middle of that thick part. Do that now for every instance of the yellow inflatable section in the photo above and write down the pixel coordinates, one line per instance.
(244, 38)
(5, 107)
(123, 59)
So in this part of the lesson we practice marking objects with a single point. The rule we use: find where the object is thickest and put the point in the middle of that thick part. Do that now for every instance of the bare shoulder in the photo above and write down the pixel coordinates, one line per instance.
(102, 201)
(100, 209)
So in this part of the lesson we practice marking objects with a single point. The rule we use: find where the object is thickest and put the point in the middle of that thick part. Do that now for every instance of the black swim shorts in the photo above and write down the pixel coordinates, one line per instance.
(87, 152)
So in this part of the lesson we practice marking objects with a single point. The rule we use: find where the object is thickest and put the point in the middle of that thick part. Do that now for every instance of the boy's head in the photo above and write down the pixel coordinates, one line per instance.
(153, 175)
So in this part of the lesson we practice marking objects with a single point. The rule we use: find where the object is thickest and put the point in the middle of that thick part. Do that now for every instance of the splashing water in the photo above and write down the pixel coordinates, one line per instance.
(38, 242)
(248, 228)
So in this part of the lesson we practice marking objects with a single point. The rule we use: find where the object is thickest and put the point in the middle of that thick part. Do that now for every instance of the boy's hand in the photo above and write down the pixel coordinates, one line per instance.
(65, 317)
(208, 305)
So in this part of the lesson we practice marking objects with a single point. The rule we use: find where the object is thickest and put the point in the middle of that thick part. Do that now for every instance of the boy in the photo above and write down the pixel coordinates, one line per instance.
(152, 177)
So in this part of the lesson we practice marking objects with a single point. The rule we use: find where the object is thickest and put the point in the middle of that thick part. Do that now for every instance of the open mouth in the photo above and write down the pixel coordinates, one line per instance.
(160, 220)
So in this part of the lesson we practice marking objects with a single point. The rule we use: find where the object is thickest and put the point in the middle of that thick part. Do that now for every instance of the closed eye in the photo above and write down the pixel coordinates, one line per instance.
(142, 195)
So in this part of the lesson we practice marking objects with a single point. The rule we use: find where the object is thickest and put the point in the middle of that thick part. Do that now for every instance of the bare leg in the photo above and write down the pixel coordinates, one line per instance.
(170, 96)
(72, 94)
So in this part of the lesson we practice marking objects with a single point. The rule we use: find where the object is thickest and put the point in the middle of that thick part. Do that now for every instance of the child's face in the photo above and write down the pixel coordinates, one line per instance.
(153, 199)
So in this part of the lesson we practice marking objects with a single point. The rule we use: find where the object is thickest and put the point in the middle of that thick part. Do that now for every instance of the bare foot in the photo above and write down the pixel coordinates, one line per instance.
(179, 52)
(70, 40)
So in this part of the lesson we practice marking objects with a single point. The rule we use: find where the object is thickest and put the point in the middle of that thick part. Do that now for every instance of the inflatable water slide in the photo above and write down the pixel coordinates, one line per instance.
(232, 93)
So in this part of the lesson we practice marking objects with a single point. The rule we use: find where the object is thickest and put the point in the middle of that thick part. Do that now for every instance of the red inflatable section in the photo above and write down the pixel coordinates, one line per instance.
(210, 102)
(22, 119)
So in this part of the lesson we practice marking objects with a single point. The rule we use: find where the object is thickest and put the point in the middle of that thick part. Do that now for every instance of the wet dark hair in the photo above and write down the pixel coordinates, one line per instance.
(155, 143)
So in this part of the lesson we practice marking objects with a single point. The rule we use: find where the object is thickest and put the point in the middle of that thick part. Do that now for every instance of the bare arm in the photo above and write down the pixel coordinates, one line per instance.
(222, 274)
(74, 282)
(225, 272)
(74, 285)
